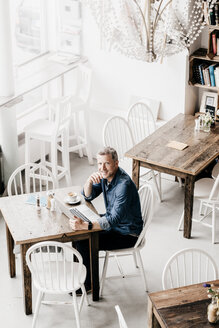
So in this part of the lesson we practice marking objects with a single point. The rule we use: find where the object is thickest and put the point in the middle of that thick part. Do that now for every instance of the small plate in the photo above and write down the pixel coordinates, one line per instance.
(78, 199)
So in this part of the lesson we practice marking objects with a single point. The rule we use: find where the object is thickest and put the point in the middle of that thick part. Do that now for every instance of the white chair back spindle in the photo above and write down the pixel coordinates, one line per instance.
(189, 266)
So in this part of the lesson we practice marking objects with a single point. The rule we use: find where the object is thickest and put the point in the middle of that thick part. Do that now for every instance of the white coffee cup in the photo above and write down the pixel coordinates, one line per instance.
(72, 197)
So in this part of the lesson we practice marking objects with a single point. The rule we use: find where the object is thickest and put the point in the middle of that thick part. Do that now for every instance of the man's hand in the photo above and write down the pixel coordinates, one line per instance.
(95, 177)
(78, 224)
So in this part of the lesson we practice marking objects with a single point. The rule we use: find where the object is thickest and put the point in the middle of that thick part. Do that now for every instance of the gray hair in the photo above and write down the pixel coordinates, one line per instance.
(109, 151)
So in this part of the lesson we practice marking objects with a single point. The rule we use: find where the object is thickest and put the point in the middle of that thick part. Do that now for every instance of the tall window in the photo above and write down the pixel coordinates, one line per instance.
(28, 21)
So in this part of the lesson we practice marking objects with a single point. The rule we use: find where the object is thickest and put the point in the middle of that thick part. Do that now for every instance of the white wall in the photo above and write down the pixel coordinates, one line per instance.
(116, 78)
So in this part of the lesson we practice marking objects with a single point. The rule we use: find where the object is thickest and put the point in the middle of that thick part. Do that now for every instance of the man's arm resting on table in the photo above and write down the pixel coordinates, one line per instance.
(79, 224)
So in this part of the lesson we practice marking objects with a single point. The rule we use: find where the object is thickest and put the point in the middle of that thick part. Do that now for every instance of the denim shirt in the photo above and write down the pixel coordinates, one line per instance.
(123, 210)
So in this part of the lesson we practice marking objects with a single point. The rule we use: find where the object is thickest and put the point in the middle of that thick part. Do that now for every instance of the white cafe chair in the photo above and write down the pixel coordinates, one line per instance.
(207, 192)
(189, 266)
(30, 177)
(142, 124)
(51, 131)
(79, 113)
(117, 134)
(146, 200)
(122, 323)
(56, 272)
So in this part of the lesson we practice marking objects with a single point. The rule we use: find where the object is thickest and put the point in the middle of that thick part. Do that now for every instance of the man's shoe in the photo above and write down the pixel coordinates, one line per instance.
(79, 292)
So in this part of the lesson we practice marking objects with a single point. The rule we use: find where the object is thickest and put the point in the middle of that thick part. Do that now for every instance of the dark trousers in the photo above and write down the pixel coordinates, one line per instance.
(108, 240)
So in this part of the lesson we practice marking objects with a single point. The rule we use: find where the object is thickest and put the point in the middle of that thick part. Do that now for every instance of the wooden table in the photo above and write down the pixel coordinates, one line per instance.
(153, 153)
(184, 307)
(25, 226)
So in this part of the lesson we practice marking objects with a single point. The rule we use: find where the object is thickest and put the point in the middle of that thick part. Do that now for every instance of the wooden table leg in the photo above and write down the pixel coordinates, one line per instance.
(152, 320)
(94, 264)
(135, 172)
(27, 290)
(188, 205)
(11, 255)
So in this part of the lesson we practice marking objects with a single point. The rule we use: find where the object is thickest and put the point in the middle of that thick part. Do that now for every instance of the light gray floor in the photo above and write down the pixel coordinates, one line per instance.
(162, 240)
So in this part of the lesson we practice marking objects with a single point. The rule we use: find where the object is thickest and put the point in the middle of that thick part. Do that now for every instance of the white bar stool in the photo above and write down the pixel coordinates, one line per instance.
(53, 130)
(79, 106)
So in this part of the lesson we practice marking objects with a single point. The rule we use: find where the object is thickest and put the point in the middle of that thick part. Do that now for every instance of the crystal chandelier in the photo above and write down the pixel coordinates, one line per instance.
(149, 29)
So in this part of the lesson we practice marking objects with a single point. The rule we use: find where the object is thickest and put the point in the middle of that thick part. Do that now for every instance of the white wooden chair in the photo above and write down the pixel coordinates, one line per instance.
(51, 131)
(122, 323)
(189, 266)
(30, 177)
(117, 134)
(207, 192)
(142, 124)
(146, 200)
(79, 115)
(56, 272)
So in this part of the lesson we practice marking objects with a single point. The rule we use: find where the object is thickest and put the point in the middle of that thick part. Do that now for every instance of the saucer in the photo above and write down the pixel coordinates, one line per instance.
(78, 199)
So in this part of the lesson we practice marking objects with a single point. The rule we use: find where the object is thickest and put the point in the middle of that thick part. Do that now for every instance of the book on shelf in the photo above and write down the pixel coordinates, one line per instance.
(214, 43)
(207, 77)
(200, 52)
(201, 73)
(217, 46)
(212, 18)
(211, 72)
(196, 73)
(216, 75)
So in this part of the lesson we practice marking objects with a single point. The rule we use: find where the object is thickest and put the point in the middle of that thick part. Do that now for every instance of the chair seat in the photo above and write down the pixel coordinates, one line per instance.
(203, 188)
(215, 171)
(41, 129)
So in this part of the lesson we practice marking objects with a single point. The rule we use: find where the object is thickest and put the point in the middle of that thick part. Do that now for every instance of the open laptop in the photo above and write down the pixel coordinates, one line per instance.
(82, 211)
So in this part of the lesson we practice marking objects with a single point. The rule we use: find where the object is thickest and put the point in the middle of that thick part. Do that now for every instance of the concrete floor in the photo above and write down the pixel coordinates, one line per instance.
(162, 240)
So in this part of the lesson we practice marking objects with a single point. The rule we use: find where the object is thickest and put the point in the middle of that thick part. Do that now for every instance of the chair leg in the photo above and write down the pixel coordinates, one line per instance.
(135, 260)
(54, 160)
(159, 185)
(119, 266)
(213, 224)
(85, 294)
(76, 127)
(104, 272)
(141, 266)
(42, 152)
(75, 303)
(86, 138)
(38, 303)
(181, 222)
(156, 186)
(65, 157)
